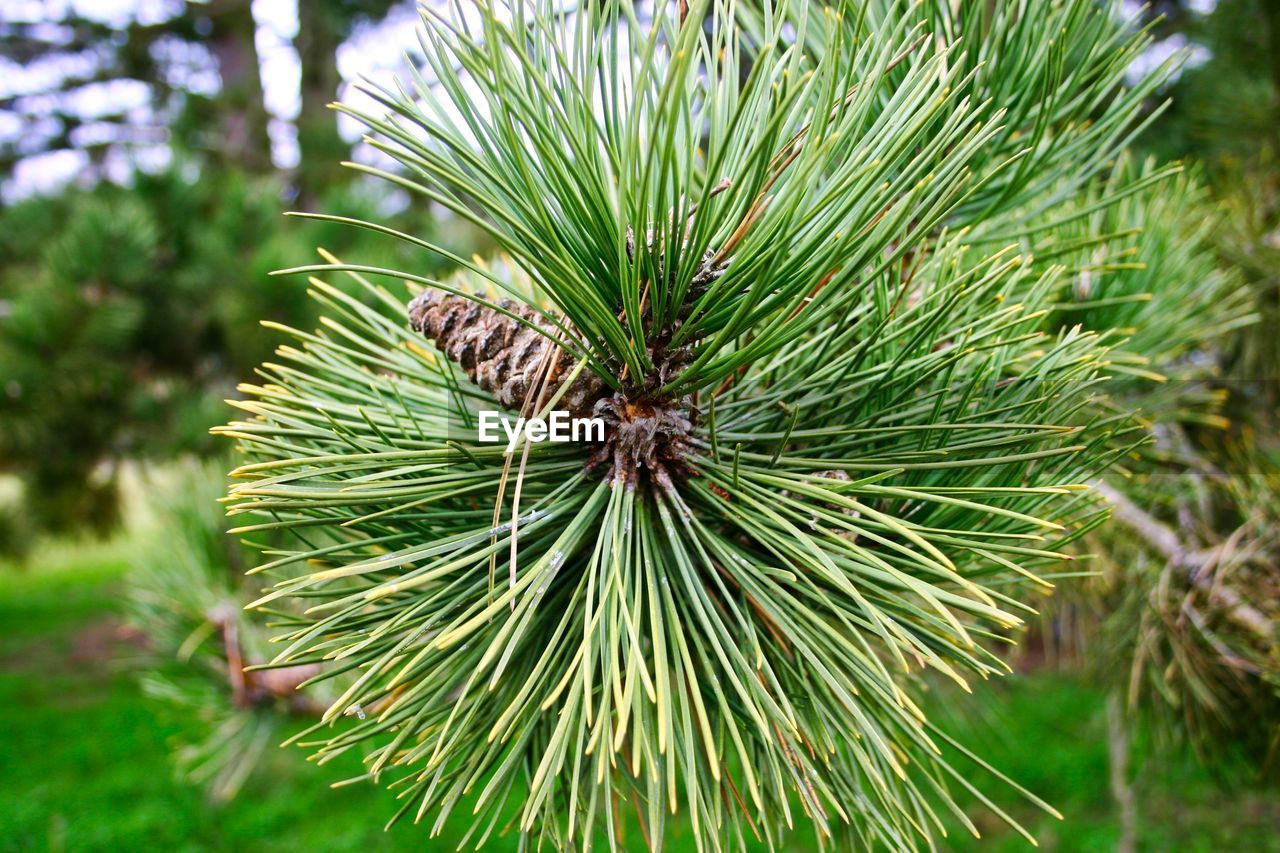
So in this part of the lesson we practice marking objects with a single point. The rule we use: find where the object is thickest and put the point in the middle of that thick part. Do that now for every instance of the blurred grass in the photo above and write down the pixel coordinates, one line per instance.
(84, 762)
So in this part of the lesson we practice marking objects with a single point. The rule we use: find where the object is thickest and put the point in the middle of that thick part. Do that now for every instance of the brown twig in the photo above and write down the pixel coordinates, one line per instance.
(235, 660)
(252, 687)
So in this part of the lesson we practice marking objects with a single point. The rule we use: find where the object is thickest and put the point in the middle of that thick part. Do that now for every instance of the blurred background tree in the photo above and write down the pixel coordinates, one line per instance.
(1179, 626)
(1226, 115)
(182, 73)
(1227, 101)
(145, 168)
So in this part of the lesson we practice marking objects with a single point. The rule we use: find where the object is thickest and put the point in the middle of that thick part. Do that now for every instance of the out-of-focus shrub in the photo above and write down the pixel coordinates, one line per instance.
(128, 314)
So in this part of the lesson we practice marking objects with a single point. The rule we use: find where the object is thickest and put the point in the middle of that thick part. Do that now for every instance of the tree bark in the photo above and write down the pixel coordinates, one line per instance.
(320, 147)
(242, 112)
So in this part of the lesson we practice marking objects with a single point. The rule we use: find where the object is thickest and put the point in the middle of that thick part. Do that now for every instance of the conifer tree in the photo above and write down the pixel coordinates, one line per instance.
(186, 596)
(808, 264)
(1179, 621)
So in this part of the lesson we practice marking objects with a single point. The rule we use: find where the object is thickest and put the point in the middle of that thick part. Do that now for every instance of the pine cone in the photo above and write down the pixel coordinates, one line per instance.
(500, 355)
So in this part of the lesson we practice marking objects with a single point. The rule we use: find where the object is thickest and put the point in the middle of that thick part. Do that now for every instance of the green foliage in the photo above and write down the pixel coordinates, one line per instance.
(1178, 622)
(1226, 114)
(1140, 262)
(805, 249)
(128, 314)
(1050, 76)
(74, 311)
(1225, 108)
(1144, 265)
(1250, 241)
(186, 595)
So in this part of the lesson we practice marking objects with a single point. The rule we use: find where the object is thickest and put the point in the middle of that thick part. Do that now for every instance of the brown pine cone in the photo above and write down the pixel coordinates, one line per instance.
(500, 355)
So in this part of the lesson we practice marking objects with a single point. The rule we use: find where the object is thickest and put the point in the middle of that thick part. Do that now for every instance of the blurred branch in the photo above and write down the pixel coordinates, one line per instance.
(1198, 563)
(251, 688)
(1118, 766)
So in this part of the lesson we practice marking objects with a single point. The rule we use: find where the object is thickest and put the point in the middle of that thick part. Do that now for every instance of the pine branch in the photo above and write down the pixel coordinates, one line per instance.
(851, 432)
(1198, 564)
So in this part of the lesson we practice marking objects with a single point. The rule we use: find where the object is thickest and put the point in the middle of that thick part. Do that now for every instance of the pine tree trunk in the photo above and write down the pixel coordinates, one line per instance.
(320, 146)
(243, 139)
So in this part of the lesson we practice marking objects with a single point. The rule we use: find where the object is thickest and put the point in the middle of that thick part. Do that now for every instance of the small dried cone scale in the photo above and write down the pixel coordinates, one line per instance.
(500, 354)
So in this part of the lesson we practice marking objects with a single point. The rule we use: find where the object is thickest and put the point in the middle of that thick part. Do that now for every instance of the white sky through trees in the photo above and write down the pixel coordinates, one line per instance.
(375, 51)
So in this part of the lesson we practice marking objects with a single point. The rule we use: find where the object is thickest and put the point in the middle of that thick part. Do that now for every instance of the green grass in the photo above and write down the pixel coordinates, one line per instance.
(1048, 733)
(84, 762)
